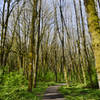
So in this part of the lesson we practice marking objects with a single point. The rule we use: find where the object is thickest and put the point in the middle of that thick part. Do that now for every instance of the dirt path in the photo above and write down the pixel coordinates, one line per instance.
(52, 93)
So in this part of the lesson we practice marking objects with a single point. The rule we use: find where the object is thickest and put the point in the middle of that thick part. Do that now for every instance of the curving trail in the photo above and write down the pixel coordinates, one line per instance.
(52, 93)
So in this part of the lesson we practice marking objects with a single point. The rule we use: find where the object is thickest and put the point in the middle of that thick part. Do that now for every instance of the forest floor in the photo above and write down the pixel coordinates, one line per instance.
(52, 93)
(13, 86)
(80, 92)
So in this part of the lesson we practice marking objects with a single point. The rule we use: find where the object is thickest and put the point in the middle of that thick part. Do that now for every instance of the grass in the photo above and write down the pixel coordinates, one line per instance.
(79, 93)
(14, 86)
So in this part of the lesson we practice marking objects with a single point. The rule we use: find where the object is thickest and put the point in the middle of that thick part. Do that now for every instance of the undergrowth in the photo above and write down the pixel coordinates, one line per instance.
(80, 93)
(13, 86)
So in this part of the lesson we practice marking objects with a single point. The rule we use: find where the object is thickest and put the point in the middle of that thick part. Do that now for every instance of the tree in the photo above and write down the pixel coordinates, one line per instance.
(6, 13)
(32, 53)
(94, 29)
(38, 46)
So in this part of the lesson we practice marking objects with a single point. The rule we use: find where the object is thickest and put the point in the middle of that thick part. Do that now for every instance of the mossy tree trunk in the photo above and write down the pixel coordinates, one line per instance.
(38, 47)
(32, 46)
(94, 29)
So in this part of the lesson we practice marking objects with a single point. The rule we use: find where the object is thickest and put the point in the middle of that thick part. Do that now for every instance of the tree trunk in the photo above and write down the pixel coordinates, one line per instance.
(38, 47)
(94, 29)
(32, 46)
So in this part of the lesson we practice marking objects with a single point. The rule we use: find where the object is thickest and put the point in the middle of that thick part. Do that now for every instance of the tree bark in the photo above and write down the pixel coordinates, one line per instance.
(94, 29)
(32, 46)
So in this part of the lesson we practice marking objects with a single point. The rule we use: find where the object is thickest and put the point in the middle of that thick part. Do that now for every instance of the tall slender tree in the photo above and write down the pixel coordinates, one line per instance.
(32, 53)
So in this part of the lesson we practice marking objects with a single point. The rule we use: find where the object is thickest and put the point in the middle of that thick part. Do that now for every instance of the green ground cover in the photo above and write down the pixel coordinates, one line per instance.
(80, 93)
(13, 86)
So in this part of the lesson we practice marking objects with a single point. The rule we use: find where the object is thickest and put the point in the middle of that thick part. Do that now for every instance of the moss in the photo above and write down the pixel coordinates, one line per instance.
(94, 29)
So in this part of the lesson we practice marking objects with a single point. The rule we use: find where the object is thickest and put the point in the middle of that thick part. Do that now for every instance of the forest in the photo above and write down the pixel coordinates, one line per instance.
(49, 49)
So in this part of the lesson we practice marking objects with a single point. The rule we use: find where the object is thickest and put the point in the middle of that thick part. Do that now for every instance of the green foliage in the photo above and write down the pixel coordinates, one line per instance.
(49, 76)
(52, 83)
(14, 86)
(79, 93)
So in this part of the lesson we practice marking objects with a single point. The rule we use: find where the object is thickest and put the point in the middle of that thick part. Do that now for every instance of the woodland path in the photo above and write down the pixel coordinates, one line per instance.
(52, 93)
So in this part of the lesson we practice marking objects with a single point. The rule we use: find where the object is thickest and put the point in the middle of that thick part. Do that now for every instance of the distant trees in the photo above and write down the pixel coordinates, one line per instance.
(7, 14)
